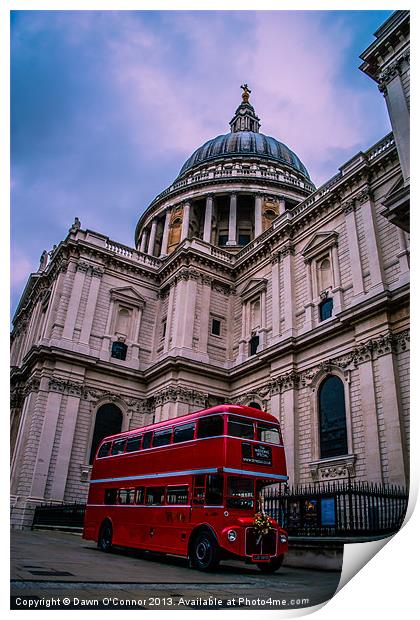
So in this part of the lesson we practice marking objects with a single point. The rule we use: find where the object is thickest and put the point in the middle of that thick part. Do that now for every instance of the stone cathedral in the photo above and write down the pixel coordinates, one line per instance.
(246, 284)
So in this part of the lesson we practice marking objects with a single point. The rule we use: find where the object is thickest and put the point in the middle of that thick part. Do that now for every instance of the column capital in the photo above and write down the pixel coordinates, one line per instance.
(349, 206)
(364, 195)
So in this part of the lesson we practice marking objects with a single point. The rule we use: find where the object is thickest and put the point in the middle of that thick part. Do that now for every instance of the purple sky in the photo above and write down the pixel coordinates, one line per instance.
(106, 106)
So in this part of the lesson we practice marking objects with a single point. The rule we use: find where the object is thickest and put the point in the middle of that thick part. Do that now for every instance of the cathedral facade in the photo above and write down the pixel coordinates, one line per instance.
(246, 285)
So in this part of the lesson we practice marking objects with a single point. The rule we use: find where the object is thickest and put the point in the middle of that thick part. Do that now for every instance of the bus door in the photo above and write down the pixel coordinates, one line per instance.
(176, 516)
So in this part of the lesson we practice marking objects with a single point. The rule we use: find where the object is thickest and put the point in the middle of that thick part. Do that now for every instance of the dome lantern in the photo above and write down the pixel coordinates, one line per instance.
(245, 118)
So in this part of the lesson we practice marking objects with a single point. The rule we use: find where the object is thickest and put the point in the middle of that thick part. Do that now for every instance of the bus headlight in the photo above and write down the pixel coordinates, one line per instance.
(232, 535)
(283, 539)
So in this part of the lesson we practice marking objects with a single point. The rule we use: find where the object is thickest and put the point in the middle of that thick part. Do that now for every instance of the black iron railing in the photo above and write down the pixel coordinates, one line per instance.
(64, 516)
(344, 509)
(338, 508)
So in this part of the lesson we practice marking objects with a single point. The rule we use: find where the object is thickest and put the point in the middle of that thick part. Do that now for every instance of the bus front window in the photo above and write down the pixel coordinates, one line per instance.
(240, 492)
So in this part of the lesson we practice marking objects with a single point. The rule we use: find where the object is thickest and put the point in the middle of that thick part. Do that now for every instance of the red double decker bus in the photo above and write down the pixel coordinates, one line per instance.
(191, 486)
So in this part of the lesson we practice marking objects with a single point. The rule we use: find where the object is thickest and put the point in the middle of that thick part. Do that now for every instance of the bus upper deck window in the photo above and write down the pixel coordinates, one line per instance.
(133, 444)
(162, 438)
(104, 450)
(210, 426)
(118, 447)
(147, 439)
(240, 427)
(268, 433)
(184, 432)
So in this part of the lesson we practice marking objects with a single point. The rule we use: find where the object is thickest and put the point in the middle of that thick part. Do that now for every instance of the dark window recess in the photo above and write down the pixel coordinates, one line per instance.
(244, 239)
(140, 495)
(163, 329)
(118, 446)
(155, 495)
(108, 422)
(185, 432)
(104, 449)
(214, 490)
(119, 350)
(177, 495)
(133, 444)
(332, 418)
(240, 427)
(162, 438)
(111, 496)
(223, 239)
(147, 439)
(325, 309)
(210, 426)
(216, 327)
(255, 405)
(253, 345)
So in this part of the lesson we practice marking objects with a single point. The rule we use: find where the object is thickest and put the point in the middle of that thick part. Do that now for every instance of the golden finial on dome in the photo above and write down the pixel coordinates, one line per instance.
(246, 93)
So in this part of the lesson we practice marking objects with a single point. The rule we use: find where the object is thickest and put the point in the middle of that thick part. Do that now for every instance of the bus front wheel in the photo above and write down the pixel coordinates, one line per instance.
(271, 567)
(204, 552)
(105, 537)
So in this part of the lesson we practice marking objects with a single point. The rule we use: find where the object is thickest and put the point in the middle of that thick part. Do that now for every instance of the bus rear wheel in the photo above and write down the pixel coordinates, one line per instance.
(271, 567)
(204, 552)
(105, 537)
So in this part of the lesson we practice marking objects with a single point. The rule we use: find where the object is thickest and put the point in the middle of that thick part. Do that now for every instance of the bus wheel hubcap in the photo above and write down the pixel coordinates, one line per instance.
(202, 550)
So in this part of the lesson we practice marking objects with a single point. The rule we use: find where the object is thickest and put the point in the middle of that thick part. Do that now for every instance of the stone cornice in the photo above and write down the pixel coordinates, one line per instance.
(392, 70)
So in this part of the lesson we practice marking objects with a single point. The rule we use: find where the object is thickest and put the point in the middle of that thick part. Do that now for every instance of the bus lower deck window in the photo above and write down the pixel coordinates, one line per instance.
(140, 495)
(126, 496)
(240, 492)
(155, 495)
(111, 496)
(177, 495)
(214, 490)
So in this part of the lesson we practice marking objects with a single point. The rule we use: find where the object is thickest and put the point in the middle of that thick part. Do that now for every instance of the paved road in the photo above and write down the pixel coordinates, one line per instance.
(53, 570)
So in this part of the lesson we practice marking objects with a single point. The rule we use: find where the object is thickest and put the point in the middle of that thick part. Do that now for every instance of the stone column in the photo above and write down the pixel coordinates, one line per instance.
(399, 114)
(337, 290)
(164, 248)
(372, 453)
(372, 238)
(232, 221)
(258, 215)
(73, 306)
(152, 238)
(309, 305)
(204, 315)
(185, 220)
(61, 469)
(288, 254)
(354, 250)
(275, 295)
(282, 205)
(90, 306)
(393, 432)
(403, 256)
(143, 241)
(169, 318)
(45, 444)
(289, 430)
(208, 219)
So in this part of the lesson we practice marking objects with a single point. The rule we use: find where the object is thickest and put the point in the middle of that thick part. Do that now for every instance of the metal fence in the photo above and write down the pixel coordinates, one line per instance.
(331, 509)
(341, 508)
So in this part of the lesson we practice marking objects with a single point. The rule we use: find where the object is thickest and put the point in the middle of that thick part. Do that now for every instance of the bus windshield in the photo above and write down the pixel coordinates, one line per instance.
(240, 492)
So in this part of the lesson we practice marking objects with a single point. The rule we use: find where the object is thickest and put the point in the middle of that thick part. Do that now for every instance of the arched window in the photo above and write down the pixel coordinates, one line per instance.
(255, 405)
(332, 418)
(108, 422)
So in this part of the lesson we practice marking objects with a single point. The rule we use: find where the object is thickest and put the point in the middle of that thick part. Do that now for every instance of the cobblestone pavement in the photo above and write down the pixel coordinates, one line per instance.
(51, 570)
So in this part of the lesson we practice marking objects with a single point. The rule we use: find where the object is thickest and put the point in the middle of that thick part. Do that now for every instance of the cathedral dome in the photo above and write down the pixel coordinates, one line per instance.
(244, 144)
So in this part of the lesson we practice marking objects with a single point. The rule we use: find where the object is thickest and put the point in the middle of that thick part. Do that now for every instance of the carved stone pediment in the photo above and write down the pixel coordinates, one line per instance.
(319, 243)
(253, 287)
(337, 468)
(127, 294)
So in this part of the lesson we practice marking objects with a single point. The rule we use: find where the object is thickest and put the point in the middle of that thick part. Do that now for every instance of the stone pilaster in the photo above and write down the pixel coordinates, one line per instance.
(90, 306)
(354, 250)
(74, 302)
(367, 206)
(288, 255)
(372, 453)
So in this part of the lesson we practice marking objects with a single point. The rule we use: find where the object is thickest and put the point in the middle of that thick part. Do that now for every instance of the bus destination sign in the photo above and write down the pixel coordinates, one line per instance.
(256, 453)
